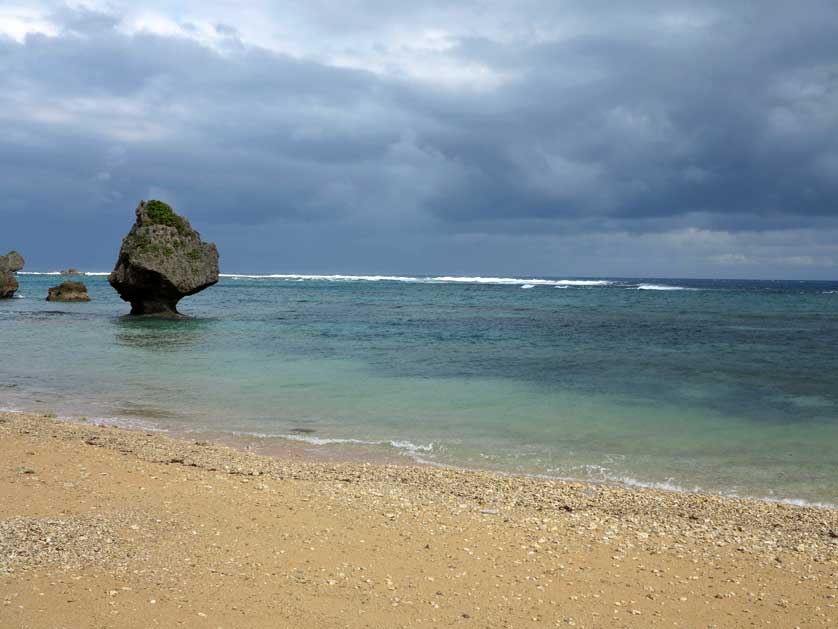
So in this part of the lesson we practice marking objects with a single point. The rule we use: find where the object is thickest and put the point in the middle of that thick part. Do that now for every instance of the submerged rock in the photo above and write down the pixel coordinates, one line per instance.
(68, 291)
(161, 261)
(9, 265)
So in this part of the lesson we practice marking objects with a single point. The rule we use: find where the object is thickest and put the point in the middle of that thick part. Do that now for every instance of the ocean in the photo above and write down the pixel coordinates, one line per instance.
(723, 386)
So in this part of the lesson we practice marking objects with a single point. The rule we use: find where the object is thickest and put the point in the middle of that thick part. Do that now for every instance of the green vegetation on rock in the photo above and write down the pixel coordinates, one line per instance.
(162, 214)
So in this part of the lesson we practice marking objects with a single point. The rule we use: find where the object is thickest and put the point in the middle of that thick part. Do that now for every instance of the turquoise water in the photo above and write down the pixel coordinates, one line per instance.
(726, 386)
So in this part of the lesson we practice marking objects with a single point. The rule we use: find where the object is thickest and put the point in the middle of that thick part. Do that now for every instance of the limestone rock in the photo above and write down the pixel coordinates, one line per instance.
(68, 291)
(162, 260)
(9, 265)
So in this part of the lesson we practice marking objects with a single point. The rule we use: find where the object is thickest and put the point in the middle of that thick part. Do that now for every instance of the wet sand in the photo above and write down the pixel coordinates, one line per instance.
(107, 527)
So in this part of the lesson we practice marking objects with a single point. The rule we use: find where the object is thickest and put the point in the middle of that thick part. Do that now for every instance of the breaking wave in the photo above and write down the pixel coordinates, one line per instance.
(662, 287)
(406, 447)
(418, 279)
(442, 279)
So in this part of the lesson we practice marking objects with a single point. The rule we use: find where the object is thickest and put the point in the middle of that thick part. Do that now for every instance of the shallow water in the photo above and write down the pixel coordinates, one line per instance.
(726, 386)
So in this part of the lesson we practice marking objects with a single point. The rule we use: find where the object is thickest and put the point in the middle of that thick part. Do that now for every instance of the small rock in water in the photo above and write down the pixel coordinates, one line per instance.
(9, 265)
(68, 291)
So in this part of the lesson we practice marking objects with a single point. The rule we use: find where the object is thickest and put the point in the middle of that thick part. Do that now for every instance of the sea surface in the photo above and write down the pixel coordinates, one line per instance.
(729, 387)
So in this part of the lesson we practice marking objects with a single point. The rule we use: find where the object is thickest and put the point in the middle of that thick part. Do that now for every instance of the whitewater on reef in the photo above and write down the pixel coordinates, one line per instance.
(419, 279)
(662, 287)
(447, 279)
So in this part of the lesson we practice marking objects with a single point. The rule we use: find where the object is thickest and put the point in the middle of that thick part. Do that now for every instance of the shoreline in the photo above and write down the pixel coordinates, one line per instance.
(303, 448)
(345, 451)
(219, 449)
(108, 526)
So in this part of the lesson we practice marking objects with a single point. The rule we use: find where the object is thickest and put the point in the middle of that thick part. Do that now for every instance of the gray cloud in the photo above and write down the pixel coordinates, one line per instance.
(376, 136)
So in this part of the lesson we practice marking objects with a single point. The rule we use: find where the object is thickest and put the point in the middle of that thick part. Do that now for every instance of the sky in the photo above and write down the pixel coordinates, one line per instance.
(477, 137)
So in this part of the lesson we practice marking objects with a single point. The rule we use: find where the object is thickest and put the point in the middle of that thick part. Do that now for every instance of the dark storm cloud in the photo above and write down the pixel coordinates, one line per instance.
(560, 118)
(730, 124)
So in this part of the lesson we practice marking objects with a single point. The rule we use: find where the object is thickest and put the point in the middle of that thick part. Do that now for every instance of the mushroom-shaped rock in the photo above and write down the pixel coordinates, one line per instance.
(162, 260)
(68, 291)
(9, 265)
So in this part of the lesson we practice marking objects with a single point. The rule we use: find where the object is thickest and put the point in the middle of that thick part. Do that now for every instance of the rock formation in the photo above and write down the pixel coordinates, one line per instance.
(9, 265)
(162, 260)
(71, 271)
(68, 291)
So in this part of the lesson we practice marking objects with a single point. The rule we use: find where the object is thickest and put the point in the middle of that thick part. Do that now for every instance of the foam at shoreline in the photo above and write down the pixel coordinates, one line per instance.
(406, 447)
(418, 454)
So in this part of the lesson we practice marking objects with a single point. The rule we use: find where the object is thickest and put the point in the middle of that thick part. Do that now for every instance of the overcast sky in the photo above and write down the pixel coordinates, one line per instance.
(534, 137)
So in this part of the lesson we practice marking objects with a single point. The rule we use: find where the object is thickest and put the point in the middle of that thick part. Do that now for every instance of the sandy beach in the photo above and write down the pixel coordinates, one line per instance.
(107, 527)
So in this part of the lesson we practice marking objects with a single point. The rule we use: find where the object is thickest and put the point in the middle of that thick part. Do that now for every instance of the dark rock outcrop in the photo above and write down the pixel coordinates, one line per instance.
(9, 265)
(68, 291)
(71, 271)
(161, 261)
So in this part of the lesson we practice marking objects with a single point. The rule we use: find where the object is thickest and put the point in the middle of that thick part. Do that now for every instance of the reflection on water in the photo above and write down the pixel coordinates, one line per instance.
(46, 315)
(160, 334)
